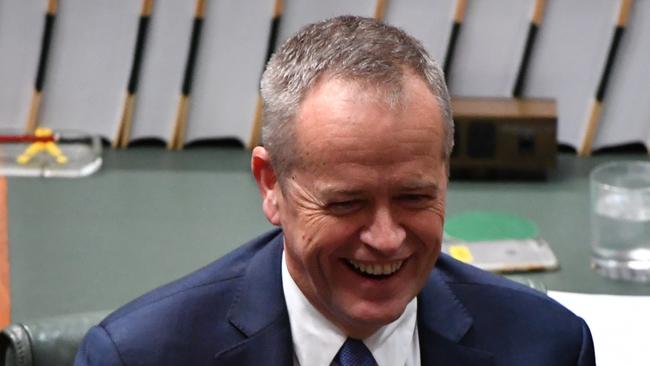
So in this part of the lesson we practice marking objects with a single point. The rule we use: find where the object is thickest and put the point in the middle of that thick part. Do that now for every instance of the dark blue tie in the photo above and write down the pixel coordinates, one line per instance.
(354, 353)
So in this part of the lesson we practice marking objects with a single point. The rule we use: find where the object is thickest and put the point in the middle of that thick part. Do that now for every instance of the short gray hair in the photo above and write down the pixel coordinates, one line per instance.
(348, 48)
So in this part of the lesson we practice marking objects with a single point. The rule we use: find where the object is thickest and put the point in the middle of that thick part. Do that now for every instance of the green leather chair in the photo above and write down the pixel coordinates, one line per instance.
(46, 342)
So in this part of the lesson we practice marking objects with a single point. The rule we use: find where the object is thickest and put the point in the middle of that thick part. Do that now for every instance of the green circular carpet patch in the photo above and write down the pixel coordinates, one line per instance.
(483, 225)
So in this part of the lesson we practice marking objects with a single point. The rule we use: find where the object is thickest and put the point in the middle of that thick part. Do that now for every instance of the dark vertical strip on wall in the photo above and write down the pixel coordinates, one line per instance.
(535, 22)
(459, 15)
(599, 98)
(136, 66)
(46, 41)
(123, 135)
(124, 130)
(178, 135)
(256, 131)
(609, 65)
(275, 29)
(525, 61)
(273, 38)
(451, 47)
(191, 57)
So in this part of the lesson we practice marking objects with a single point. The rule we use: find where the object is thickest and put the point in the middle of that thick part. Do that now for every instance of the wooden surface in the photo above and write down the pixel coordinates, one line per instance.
(5, 303)
(503, 107)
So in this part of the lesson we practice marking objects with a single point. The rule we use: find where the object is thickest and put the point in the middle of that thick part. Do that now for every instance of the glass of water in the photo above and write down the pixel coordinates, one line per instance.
(620, 220)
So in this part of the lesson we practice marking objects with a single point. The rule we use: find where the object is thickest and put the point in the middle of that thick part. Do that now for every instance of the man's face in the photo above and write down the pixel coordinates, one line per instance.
(363, 212)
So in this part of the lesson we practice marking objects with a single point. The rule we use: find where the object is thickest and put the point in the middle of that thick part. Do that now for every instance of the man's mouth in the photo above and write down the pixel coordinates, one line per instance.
(375, 270)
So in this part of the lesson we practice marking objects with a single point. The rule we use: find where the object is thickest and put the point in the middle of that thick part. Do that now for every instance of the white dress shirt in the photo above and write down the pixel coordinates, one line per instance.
(316, 340)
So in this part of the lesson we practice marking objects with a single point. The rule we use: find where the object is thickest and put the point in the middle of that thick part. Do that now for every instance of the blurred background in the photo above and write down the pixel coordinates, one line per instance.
(179, 72)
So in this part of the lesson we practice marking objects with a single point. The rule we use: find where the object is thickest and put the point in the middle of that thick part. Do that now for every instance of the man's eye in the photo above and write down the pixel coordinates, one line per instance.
(416, 199)
(344, 207)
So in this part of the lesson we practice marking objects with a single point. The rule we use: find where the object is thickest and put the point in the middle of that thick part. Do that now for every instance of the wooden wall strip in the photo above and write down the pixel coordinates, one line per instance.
(124, 130)
(535, 22)
(46, 40)
(256, 132)
(5, 298)
(380, 10)
(596, 106)
(459, 16)
(178, 135)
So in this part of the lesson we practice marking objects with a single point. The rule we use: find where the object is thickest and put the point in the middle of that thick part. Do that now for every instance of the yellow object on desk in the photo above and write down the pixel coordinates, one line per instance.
(42, 146)
(461, 252)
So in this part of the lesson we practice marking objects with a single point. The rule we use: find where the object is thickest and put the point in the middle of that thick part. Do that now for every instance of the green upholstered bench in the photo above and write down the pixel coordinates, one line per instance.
(46, 342)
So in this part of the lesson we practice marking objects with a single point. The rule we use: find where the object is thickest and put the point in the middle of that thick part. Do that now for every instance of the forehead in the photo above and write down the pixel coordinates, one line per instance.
(345, 121)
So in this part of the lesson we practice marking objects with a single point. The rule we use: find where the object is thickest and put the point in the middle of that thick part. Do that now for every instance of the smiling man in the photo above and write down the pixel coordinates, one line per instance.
(357, 137)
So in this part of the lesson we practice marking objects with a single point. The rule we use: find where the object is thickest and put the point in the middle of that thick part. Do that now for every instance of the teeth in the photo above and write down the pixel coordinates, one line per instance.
(377, 269)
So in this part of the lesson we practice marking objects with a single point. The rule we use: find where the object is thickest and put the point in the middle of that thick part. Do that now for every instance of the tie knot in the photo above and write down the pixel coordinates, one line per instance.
(354, 353)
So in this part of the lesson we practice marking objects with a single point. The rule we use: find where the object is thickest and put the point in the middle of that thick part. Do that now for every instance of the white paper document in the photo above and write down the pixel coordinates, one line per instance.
(619, 325)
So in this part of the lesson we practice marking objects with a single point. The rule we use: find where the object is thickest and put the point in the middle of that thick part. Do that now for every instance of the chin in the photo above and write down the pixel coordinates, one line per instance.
(367, 318)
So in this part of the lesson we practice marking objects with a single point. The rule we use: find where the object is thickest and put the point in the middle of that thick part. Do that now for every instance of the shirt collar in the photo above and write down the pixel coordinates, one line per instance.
(316, 340)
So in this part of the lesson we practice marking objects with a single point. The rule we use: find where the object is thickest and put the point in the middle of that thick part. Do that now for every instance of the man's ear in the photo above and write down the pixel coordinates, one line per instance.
(267, 183)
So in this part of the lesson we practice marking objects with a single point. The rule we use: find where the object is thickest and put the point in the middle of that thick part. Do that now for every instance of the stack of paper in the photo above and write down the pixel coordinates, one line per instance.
(619, 325)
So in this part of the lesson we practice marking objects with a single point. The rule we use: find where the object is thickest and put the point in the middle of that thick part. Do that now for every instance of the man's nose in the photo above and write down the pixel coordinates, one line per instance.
(383, 232)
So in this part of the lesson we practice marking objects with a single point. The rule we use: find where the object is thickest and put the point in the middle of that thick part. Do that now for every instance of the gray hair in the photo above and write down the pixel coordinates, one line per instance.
(348, 48)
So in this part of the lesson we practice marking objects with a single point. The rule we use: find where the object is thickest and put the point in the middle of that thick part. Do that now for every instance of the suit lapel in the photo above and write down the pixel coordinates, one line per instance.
(259, 312)
(442, 323)
(436, 350)
(270, 346)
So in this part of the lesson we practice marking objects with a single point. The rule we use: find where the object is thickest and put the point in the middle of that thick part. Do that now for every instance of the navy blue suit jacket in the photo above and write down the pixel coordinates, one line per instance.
(233, 312)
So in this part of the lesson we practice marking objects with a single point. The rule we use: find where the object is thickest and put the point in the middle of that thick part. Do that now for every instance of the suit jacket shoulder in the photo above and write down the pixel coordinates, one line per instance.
(506, 323)
(192, 319)
(232, 312)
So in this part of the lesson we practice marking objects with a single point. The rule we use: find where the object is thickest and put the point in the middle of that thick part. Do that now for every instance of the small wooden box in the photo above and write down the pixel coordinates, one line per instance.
(503, 137)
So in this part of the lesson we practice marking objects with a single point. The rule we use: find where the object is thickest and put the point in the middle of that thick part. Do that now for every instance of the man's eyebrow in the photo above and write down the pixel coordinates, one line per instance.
(330, 191)
(420, 186)
(335, 191)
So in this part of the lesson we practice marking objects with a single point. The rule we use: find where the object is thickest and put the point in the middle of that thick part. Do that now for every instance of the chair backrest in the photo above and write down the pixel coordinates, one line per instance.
(51, 341)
